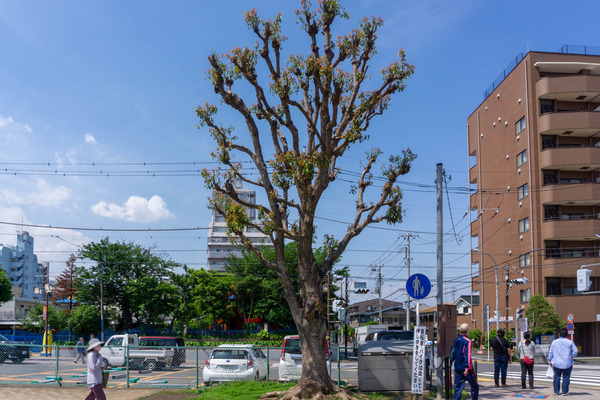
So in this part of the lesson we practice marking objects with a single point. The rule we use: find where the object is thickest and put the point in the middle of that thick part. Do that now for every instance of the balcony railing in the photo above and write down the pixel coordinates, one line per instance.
(575, 252)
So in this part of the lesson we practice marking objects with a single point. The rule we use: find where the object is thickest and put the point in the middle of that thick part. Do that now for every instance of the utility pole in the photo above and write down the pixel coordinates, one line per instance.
(379, 290)
(408, 236)
(440, 267)
(346, 316)
(328, 310)
(507, 281)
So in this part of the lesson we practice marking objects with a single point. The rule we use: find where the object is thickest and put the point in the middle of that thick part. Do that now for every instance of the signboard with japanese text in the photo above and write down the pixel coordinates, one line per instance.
(418, 365)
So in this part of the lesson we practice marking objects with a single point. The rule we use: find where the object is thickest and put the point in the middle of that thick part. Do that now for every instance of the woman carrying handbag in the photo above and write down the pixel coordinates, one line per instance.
(526, 354)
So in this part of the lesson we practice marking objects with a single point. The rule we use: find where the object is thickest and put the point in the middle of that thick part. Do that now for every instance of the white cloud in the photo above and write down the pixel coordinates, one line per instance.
(14, 132)
(90, 139)
(135, 209)
(40, 193)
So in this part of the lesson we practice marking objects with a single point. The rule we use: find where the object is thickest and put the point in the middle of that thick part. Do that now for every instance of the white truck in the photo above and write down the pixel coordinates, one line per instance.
(363, 331)
(114, 353)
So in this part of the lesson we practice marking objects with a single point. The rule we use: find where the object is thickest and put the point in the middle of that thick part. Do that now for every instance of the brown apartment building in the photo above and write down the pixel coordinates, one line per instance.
(534, 147)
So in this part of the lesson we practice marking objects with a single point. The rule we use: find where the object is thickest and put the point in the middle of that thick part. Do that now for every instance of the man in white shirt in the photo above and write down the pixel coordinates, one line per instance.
(561, 355)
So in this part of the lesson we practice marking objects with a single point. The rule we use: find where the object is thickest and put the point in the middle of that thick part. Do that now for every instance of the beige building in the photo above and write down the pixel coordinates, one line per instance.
(534, 147)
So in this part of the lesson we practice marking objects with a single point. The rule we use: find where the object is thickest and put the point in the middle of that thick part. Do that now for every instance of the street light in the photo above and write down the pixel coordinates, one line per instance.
(496, 275)
(48, 289)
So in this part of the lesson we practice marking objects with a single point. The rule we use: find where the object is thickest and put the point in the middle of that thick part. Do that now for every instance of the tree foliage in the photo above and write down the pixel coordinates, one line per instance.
(5, 287)
(541, 316)
(135, 281)
(85, 319)
(34, 321)
(64, 289)
(314, 107)
(211, 294)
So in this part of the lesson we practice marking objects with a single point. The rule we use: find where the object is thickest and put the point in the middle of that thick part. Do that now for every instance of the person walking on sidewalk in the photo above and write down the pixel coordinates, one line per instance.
(561, 355)
(94, 367)
(526, 354)
(80, 351)
(463, 365)
(502, 355)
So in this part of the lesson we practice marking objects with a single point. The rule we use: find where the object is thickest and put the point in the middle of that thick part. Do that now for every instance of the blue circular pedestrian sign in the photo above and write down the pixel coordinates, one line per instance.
(418, 286)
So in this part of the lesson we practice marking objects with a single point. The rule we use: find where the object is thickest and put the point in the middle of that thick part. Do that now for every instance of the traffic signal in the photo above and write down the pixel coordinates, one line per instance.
(519, 313)
(519, 281)
(583, 279)
(361, 291)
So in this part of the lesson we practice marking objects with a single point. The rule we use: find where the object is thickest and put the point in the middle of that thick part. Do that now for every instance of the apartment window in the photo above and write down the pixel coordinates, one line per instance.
(525, 295)
(524, 260)
(522, 192)
(519, 126)
(553, 249)
(553, 287)
(521, 158)
(524, 225)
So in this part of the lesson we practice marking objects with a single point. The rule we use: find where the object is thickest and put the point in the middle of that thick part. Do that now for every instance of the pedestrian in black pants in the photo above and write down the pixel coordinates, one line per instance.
(502, 356)
(526, 354)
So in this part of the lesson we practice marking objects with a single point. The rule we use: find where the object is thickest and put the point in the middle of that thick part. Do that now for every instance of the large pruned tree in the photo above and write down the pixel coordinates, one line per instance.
(307, 109)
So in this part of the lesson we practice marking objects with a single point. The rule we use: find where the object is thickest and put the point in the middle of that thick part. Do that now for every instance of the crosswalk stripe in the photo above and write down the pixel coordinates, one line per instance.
(591, 380)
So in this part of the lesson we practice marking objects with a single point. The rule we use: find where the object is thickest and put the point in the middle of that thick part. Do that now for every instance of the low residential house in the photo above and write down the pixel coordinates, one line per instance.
(393, 314)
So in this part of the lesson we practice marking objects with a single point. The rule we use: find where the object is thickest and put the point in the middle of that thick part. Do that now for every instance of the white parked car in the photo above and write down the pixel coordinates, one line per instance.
(235, 362)
(290, 363)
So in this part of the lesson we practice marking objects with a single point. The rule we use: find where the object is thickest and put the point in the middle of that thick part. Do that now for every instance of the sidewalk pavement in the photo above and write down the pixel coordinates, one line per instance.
(68, 393)
(486, 391)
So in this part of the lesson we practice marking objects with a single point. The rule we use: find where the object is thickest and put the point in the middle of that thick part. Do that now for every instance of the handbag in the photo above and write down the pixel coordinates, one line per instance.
(527, 361)
(550, 372)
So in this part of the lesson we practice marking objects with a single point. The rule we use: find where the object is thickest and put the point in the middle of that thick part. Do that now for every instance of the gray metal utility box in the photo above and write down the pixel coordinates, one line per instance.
(385, 365)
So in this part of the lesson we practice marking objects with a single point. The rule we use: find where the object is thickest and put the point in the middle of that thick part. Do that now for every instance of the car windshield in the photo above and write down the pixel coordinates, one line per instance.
(229, 354)
(3, 337)
(405, 335)
(293, 346)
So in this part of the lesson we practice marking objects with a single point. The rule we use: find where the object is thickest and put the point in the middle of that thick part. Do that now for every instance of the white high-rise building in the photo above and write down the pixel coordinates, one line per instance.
(219, 245)
(22, 267)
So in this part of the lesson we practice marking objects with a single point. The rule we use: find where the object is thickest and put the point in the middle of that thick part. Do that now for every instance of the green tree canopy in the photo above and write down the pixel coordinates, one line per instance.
(5, 287)
(135, 281)
(211, 294)
(542, 317)
(85, 319)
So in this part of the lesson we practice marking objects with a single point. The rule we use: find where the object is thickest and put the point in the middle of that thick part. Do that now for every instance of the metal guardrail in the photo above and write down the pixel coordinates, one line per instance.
(191, 367)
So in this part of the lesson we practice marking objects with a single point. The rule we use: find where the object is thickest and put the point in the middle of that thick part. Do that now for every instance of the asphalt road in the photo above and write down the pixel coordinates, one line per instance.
(44, 369)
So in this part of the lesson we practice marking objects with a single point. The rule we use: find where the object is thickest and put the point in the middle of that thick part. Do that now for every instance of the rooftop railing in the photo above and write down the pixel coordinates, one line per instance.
(564, 49)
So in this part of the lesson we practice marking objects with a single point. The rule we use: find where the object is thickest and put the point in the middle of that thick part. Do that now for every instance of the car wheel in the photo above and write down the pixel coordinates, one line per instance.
(105, 363)
(151, 365)
(17, 360)
(257, 376)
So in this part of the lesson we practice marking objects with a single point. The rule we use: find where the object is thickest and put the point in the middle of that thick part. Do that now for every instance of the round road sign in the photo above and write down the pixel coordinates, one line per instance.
(570, 318)
(570, 326)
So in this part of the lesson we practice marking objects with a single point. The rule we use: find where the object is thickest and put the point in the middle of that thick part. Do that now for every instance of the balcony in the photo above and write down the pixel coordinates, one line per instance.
(568, 88)
(573, 193)
(570, 159)
(581, 123)
(575, 229)
(572, 252)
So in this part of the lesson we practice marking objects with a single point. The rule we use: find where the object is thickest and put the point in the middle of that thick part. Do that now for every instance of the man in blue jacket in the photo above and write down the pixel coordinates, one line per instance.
(463, 365)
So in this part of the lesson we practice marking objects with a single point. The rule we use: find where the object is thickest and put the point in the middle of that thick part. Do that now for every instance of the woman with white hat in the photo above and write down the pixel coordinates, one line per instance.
(94, 366)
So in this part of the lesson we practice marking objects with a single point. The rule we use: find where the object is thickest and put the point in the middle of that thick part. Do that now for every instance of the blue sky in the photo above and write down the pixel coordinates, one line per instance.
(115, 84)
